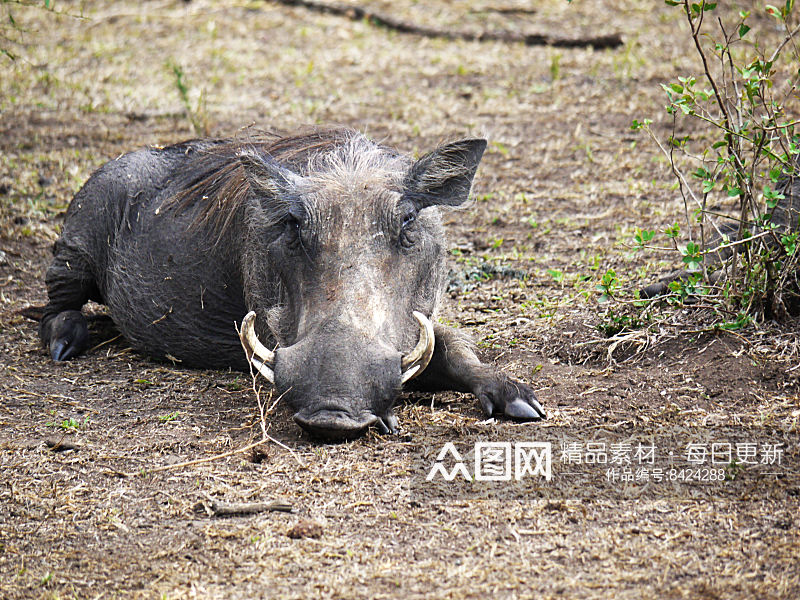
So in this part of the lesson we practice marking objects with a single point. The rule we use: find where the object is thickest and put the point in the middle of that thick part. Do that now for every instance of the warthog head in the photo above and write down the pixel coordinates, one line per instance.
(348, 238)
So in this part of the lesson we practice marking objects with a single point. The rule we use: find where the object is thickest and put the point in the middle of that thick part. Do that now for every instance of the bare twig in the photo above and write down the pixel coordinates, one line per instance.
(358, 13)
(222, 509)
(198, 461)
(101, 344)
(679, 174)
(738, 242)
(505, 10)
(61, 444)
(789, 37)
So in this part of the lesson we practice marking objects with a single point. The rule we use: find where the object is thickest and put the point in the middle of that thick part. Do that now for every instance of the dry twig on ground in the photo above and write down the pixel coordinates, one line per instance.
(225, 509)
(358, 13)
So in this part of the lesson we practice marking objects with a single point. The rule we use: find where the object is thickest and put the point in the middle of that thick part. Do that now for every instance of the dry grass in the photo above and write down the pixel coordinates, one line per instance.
(563, 184)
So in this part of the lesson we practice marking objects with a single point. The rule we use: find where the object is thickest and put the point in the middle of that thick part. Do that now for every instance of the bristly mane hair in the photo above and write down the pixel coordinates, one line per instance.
(214, 180)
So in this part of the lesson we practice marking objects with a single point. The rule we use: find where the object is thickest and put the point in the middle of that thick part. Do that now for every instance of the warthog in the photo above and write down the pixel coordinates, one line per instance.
(329, 243)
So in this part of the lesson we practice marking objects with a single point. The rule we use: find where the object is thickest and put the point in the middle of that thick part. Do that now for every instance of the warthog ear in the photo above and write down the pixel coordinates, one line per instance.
(265, 175)
(445, 175)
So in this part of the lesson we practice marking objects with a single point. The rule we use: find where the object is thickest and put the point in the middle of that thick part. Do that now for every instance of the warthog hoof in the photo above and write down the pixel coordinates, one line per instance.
(68, 335)
(510, 398)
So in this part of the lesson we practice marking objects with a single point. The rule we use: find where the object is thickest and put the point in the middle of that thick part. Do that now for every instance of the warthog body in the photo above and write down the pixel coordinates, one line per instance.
(333, 241)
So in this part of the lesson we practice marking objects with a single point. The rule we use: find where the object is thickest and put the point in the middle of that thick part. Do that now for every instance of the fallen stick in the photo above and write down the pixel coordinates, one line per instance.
(208, 459)
(197, 461)
(358, 13)
(222, 509)
(61, 445)
(505, 10)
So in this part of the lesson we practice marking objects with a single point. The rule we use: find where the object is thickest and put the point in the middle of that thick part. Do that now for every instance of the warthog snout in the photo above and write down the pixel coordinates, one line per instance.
(339, 384)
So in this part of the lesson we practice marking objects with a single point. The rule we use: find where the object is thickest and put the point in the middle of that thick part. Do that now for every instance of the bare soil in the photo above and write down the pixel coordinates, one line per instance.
(558, 195)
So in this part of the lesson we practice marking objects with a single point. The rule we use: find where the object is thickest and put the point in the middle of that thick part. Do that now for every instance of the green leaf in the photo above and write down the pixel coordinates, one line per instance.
(692, 256)
(772, 197)
(500, 148)
(734, 191)
(773, 11)
(789, 243)
(708, 185)
(608, 284)
(642, 237)
(743, 29)
(673, 231)
(742, 320)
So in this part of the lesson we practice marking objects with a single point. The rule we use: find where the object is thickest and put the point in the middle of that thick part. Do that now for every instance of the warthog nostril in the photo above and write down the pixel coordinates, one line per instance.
(335, 424)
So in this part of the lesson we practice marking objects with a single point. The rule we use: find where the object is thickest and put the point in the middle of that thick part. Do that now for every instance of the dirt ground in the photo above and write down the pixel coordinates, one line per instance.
(561, 189)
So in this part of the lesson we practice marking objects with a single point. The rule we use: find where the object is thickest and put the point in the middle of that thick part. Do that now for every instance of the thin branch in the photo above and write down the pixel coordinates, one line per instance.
(358, 13)
(739, 242)
(198, 461)
(265, 437)
(263, 413)
(679, 174)
(785, 41)
(224, 509)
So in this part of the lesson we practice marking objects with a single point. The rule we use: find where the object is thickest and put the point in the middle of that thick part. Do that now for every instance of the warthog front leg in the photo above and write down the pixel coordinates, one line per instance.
(454, 366)
(63, 329)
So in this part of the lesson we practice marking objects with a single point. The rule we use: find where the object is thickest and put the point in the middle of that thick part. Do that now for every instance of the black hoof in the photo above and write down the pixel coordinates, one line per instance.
(512, 399)
(388, 424)
(527, 409)
(68, 334)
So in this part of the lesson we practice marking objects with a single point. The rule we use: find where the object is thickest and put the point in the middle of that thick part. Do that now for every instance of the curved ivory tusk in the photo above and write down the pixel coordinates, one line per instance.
(262, 358)
(414, 363)
(265, 371)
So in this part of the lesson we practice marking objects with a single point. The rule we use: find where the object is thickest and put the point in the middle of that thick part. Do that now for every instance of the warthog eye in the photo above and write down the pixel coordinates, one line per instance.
(293, 228)
(406, 237)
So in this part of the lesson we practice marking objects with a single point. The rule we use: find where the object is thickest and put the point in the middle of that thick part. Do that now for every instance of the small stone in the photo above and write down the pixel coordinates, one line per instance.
(305, 528)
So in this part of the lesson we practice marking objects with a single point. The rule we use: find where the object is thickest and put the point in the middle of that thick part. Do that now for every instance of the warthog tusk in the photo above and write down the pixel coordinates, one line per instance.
(259, 355)
(414, 363)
